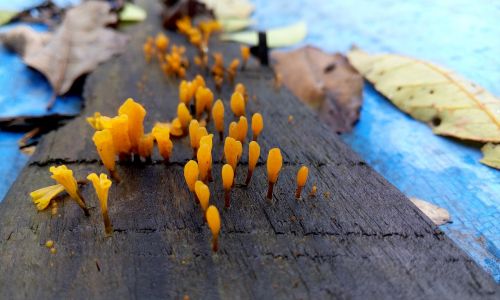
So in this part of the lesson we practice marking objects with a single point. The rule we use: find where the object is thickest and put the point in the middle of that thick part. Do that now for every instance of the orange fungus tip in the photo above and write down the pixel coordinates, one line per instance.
(302, 176)
(218, 115)
(257, 125)
(274, 164)
(203, 193)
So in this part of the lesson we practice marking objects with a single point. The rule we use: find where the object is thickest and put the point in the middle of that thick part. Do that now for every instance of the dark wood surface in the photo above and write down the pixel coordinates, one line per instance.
(359, 238)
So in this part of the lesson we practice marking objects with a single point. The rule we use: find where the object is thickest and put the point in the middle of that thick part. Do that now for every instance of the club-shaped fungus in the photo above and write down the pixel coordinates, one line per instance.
(204, 158)
(232, 70)
(64, 177)
(274, 164)
(191, 173)
(242, 129)
(227, 183)
(313, 191)
(218, 116)
(233, 130)
(245, 55)
(193, 135)
(101, 185)
(99, 122)
(183, 115)
(232, 152)
(301, 180)
(176, 128)
(185, 92)
(146, 144)
(135, 113)
(238, 104)
(240, 88)
(203, 193)
(213, 221)
(207, 157)
(161, 42)
(257, 125)
(253, 158)
(41, 197)
(103, 141)
(161, 134)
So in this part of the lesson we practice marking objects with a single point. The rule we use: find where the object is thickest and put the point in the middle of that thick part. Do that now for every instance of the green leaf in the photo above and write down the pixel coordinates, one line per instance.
(491, 155)
(452, 105)
(277, 37)
(132, 13)
(6, 16)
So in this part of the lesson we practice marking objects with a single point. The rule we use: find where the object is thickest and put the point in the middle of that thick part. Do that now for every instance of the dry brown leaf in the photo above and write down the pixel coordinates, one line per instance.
(324, 81)
(452, 105)
(76, 47)
(438, 215)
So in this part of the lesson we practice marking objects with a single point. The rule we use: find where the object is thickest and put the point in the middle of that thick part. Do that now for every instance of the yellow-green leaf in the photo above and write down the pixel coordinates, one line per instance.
(491, 155)
(231, 25)
(452, 105)
(277, 37)
(132, 13)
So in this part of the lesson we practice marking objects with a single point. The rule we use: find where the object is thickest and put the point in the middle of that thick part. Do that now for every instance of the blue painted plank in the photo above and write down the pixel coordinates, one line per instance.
(462, 35)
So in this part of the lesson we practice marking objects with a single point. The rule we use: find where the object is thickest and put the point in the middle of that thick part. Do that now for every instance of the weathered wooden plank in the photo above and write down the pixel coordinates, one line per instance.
(363, 240)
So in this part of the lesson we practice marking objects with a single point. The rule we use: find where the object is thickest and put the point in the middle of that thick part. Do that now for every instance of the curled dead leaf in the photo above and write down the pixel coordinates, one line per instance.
(438, 215)
(452, 105)
(75, 48)
(326, 82)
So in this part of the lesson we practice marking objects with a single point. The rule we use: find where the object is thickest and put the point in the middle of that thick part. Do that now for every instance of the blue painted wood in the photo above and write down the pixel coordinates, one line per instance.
(459, 34)
(463, 35)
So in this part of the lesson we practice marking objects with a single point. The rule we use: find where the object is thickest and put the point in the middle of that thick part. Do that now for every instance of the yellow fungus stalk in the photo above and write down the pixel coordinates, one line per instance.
(242, 129)
(245, 55)
(101, 185)
(183, 115)
(64, 177)
(204, 157)
(203, 193)
(161, 42)
(218, 116)
(146, 144)
(253, 158)
(274, 164)
(161, 133)
(103, 141)
(257, 125)
(191, 173)
(41, 197)
(213, 221)
(227, 183)
(119, 131)
(238, 104)
(208, 140)
(136, 114)
(301, 180)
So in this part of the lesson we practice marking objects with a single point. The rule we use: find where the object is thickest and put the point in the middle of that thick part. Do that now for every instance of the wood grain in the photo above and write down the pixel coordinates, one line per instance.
(359, 238)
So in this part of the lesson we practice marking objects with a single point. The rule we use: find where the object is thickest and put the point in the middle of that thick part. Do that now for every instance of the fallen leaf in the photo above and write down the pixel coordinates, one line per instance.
(76, 47)
(232, 25)
(452, 105)
(6, 16)
(491, 155)
(438, 215)
(276, 37)
(326, 82)
(132, 13)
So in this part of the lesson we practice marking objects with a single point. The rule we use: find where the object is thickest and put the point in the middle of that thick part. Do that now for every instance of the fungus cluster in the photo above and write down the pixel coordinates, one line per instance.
(123, 137)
